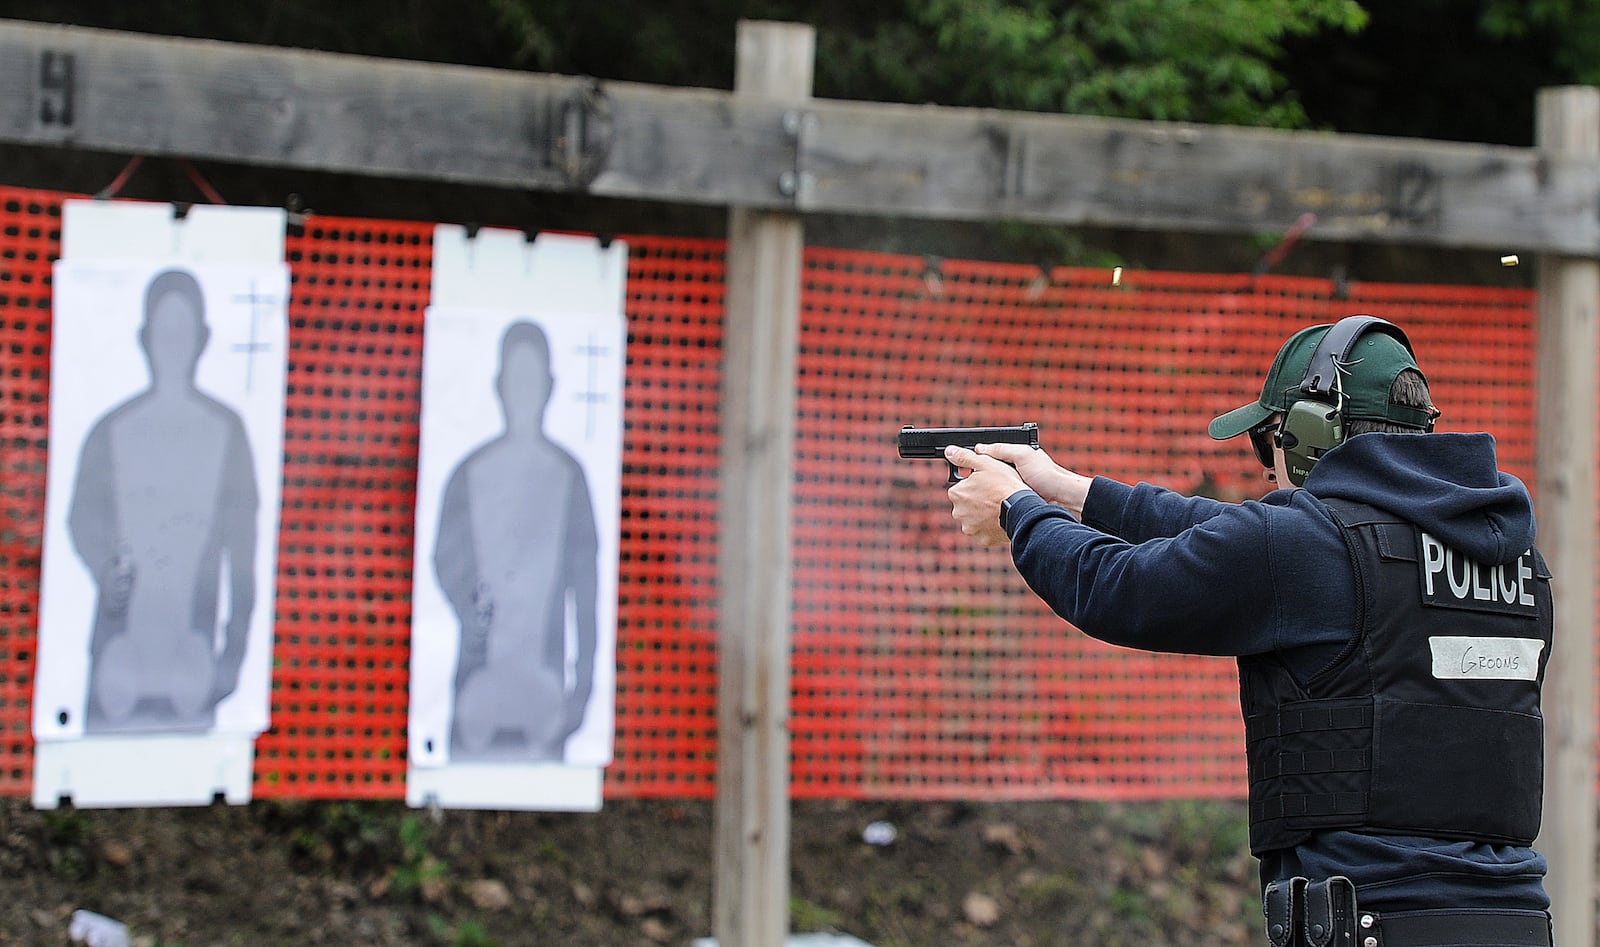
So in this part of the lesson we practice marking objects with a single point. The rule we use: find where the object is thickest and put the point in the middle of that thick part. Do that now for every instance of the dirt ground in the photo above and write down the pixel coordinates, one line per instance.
(637, 873)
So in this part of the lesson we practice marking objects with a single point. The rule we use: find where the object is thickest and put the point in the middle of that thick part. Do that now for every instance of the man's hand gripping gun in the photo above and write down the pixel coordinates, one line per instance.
(924, 443)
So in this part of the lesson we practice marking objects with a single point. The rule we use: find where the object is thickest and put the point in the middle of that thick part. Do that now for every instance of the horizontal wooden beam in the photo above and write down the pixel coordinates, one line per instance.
(964, 163)
(138, 94)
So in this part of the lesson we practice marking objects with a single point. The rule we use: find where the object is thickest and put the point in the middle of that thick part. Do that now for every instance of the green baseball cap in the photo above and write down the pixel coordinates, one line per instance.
(1364, 380)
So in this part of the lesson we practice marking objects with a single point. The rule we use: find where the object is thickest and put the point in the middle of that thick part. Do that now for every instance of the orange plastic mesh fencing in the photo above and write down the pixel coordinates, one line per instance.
(358, 293)
(30, 237)
(667, 576)
(922, 666)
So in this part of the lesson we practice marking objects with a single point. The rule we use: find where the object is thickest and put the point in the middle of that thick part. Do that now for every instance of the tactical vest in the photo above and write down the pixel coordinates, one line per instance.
(1428, 723)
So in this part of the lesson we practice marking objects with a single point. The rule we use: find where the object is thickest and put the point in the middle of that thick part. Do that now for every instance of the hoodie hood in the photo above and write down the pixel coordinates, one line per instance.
(1449, 485)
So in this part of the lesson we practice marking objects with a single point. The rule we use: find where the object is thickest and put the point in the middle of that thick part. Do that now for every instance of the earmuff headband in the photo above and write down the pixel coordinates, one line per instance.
(1322, 373)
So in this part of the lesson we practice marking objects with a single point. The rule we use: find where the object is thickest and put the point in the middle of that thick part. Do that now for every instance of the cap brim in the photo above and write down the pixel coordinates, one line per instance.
(1238, 421)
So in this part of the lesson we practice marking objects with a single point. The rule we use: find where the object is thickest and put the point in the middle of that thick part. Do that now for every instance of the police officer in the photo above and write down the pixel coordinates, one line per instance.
(1390, 616)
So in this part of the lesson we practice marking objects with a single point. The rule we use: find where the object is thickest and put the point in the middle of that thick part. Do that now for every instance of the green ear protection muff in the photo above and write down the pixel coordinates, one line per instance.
(1314, 424)
(1309, 429)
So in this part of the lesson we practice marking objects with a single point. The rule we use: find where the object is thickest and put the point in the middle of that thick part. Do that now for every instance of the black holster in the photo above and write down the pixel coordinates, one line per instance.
(1304, 913)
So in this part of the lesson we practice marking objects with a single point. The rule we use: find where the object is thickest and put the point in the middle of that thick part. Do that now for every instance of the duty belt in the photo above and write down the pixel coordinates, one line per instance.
(1304, 913)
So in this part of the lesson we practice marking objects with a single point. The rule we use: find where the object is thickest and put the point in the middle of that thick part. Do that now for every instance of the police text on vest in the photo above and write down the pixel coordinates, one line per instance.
(1455, 580)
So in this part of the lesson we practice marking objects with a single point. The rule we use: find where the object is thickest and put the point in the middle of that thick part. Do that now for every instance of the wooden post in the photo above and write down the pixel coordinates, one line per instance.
(761, 339)
(1569, 291)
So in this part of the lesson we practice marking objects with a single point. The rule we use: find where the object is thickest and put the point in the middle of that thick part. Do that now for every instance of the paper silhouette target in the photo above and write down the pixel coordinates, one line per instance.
(518, 519)
(516, 556)
(167, 392)
(163, 509)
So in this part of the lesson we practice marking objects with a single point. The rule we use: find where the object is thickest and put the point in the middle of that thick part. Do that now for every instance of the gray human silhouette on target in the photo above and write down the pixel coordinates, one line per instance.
(163, 504)
(516, 551)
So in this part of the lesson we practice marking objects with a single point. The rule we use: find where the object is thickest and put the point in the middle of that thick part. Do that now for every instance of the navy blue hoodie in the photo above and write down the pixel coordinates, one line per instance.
(1151, 569)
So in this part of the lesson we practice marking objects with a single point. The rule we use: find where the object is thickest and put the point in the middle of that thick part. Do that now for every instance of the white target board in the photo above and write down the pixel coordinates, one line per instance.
(168, 363)
(518, 522)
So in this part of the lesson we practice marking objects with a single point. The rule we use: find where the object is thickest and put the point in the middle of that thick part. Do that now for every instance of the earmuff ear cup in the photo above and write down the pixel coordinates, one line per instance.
(1309, 430)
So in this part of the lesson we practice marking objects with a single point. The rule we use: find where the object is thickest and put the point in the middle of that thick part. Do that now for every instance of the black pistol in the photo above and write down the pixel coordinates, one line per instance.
(927, 442)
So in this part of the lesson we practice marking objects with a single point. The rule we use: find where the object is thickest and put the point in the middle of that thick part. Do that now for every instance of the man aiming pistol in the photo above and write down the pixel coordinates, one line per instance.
(1391, 619)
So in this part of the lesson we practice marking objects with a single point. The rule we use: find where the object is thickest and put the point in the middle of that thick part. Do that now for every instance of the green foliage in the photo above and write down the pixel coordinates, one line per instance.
(1570, 29)
(1418, 67)
(364, 838)
(1197, 829)
(472, 934)
(550, 851)
(469, 933)
(66, 827)
(808, 917)
(1194, 60)
(417, 867)
(1191, 60)
(1513, 18)
(1131, 907)
(342, 836)
(67, 835)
